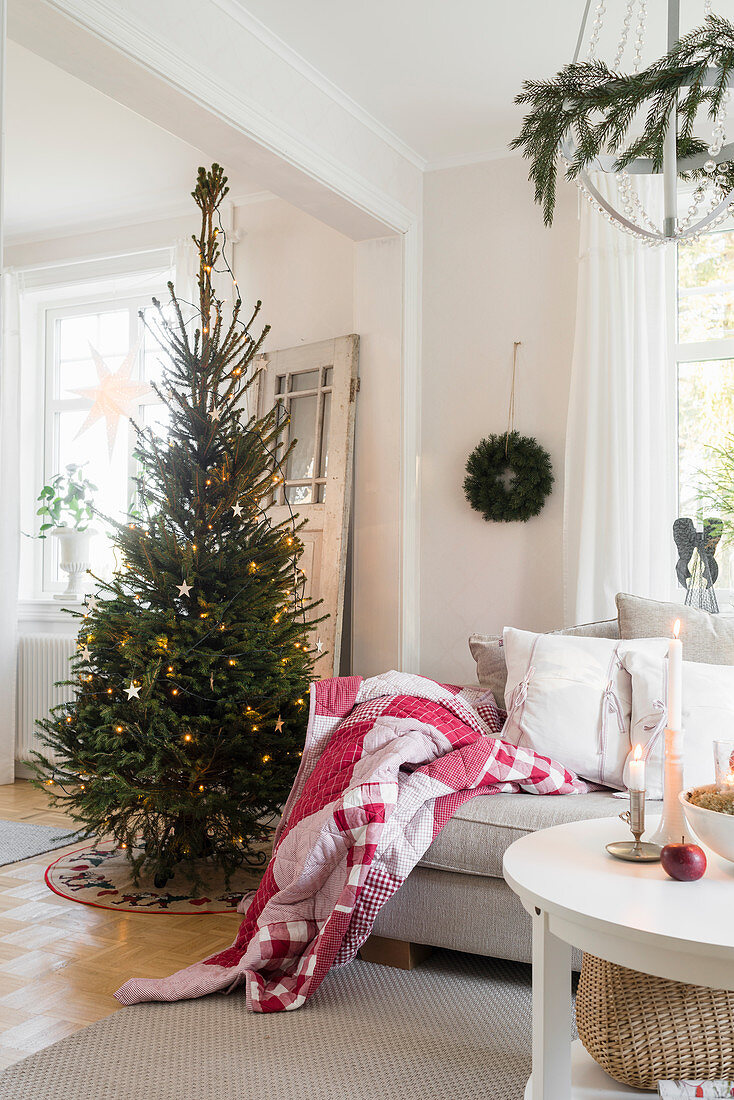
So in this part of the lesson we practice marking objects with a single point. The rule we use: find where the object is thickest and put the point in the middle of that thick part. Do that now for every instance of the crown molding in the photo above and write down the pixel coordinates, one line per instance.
(106, 21)
(464, 160)
(70, 226)
(291, 57)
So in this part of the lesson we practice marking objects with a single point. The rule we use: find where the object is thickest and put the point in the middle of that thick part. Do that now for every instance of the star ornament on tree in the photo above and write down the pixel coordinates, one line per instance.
(132, 692)
(115, 395)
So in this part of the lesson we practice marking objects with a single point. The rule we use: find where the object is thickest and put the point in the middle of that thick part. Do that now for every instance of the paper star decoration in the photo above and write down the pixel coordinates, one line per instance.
(86, 653)
(115, 395)
(216, 413)
(237, 509)
(133, 692)
(319, 644)
(184, 589)
(92, 603)
(279, 725)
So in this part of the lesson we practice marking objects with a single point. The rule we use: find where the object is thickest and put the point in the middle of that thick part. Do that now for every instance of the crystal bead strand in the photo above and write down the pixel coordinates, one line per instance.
(640, 36)
(599, 14)
(631, 202)
(627, 24)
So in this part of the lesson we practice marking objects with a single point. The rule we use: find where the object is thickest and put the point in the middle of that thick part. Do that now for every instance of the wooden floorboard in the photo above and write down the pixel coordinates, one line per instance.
(60, 961)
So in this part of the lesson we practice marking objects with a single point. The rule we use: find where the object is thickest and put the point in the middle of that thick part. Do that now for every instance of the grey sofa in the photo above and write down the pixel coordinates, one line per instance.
(456, 897)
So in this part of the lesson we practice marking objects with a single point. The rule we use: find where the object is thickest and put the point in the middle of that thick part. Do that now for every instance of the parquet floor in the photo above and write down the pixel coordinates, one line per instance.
(60, 961)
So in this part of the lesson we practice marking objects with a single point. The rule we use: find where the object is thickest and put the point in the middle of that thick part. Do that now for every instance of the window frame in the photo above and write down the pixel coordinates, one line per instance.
(50, 312)
(701, 351)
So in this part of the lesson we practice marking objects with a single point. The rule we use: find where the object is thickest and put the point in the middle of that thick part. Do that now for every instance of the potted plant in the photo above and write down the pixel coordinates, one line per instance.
(66, 505)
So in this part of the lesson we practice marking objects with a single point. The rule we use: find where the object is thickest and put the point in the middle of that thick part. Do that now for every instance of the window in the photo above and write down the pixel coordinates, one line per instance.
(113, 329)
(705, 366)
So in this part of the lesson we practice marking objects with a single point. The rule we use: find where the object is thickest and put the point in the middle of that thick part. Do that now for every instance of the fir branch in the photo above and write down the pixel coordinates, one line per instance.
(568, 108)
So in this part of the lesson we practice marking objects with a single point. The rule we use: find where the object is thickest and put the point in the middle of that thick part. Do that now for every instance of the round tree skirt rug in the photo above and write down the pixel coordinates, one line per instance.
(100, 875)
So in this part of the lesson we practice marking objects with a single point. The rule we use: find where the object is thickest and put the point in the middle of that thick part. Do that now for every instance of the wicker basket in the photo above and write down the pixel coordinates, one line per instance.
(642, 1029)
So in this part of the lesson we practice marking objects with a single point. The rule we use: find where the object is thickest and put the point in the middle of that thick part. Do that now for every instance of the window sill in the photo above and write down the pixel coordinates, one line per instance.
(45, 610)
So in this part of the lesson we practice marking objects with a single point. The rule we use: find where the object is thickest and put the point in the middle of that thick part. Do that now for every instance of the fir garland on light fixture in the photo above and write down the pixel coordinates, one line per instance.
(587, 112)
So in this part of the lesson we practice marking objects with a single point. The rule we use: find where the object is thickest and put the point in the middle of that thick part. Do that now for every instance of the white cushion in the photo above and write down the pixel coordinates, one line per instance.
(708, 715)
(570, 698)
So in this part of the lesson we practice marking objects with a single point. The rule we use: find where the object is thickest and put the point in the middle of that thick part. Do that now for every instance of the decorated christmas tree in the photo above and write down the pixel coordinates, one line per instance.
(193, 665)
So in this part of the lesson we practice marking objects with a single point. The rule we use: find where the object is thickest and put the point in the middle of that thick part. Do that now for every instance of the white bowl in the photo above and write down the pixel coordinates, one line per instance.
(713, 829)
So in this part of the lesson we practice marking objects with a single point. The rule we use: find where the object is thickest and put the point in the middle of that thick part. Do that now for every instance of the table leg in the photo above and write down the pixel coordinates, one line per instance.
(551, 1013)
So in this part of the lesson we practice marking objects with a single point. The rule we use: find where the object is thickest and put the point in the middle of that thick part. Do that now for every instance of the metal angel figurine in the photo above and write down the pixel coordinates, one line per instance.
(697, 568)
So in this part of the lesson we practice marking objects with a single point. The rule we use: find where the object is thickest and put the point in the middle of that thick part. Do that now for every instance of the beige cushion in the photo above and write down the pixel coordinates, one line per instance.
(475, 839)
(706, 638)
(488, 651)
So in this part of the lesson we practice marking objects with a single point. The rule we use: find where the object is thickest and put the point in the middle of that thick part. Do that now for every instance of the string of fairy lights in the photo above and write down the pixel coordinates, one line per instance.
(278, 478)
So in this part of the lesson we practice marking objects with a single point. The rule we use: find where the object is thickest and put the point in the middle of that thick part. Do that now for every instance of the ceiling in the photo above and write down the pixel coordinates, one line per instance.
(442, 75)
(76, 157)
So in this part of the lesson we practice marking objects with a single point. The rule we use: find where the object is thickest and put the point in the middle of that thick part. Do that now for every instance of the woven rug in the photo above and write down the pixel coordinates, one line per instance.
(100, 875)
(23, 840)
(456, 1028)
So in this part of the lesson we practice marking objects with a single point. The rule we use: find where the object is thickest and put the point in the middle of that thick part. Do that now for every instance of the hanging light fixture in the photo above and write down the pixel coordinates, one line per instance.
(584, 118)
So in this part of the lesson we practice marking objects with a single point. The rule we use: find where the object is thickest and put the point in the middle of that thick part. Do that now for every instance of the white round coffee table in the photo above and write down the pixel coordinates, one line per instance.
(628, 913)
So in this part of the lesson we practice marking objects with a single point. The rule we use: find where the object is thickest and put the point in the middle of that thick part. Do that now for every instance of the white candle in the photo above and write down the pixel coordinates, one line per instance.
(637, 770)
(675, 679)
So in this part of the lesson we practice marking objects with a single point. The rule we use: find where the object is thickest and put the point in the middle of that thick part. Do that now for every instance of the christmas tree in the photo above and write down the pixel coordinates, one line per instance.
(193, 665)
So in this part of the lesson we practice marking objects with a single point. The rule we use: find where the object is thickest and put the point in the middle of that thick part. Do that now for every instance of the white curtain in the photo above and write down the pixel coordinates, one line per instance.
(620, 478)
(10, 455)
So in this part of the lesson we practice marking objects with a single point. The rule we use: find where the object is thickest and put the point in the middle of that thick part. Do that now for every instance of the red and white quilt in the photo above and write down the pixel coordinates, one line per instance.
(386, 763)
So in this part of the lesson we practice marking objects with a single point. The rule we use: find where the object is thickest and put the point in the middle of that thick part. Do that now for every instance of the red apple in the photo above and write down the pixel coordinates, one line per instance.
(684, 862)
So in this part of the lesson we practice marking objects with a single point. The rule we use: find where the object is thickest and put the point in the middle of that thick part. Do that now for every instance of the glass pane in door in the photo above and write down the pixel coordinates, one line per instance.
(305, 380)
(303, 430)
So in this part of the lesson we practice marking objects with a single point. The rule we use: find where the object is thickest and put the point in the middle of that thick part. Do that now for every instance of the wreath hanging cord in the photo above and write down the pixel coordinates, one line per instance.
(508, 476)
(511, 410)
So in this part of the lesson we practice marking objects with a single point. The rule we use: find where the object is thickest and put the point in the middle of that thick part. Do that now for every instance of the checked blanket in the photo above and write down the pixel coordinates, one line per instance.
(387, 761)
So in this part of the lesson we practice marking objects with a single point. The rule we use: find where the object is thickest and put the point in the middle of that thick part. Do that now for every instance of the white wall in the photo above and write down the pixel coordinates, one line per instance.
(492, 274)
(301, 269)
(376, 532)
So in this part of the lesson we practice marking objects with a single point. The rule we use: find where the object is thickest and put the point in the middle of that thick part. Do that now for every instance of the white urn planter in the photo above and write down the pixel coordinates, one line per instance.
(74, 558)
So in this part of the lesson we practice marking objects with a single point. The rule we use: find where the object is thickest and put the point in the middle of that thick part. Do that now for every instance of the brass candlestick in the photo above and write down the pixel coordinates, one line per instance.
(636, 851)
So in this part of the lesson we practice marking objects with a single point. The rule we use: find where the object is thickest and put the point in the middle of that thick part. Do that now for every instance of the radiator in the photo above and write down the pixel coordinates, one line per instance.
(43, 659)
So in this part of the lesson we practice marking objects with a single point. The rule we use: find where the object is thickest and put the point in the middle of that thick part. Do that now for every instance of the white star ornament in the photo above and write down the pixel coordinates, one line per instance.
(115, 395)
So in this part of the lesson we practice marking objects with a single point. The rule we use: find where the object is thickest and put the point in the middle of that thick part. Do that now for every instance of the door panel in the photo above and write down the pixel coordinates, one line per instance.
(317, 384)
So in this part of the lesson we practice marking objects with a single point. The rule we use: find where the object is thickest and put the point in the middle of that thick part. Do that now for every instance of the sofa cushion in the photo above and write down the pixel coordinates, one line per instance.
(706, 638)
(474, 841)
(488, 651)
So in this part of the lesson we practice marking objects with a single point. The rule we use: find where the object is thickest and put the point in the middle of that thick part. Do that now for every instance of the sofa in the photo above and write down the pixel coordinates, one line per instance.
(456, 896)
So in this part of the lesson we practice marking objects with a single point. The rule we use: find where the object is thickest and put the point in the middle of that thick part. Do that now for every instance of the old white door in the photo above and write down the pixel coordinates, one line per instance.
(317, 386)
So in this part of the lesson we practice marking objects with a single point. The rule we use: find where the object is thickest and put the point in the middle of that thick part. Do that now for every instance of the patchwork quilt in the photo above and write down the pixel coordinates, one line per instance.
(387, 761)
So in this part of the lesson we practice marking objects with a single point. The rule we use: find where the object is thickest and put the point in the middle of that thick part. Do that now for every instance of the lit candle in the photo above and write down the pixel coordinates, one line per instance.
(637, 770)
(675, 679)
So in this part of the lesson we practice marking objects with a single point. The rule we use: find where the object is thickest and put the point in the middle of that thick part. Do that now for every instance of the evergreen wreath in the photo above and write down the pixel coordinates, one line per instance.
(597, 106)
(484, 484)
